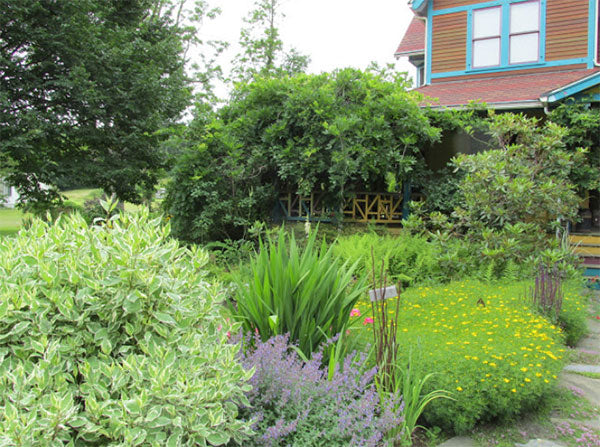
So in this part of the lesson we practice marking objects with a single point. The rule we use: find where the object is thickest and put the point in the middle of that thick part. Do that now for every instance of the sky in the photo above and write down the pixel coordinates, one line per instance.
(334, 33)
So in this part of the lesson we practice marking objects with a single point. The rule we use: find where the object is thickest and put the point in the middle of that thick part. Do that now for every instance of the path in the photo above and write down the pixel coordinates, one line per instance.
(573, 379)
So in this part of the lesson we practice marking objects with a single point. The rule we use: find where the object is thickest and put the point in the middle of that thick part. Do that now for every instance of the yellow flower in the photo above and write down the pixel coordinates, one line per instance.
(514, 390)
(459, 388)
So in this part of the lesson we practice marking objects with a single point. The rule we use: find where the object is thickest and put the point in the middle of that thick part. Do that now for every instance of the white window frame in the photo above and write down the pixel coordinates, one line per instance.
(492, 37)
(523, 33)
(505, 37)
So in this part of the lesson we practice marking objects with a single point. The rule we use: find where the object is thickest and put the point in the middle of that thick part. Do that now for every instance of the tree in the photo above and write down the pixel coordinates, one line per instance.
(332, 134)
(86, 86)
(525, 178)
(263, 52)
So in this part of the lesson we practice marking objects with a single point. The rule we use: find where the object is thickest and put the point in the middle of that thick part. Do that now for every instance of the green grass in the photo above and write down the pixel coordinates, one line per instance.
(10, 221)
(79, 196)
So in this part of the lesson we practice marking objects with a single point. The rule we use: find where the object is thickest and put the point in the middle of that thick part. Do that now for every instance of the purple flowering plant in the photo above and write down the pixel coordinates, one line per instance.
(294, 402)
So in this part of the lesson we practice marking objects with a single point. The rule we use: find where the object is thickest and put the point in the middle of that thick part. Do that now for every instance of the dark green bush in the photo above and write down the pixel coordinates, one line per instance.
(109, 335)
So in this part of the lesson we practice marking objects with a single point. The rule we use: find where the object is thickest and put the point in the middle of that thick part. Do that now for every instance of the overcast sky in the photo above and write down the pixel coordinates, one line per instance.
(334, 33)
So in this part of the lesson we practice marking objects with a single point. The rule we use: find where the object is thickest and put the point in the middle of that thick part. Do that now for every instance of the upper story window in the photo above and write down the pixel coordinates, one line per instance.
(521, 36)
(487, 32)
(524, 32)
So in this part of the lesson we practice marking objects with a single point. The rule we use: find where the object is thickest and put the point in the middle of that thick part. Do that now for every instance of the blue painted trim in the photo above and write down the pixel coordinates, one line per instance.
(449, 74)
(469, 42)
(407, 192)
(504, 35)
(575, 88)
(441, 12)
(429, 43)
(591, 32)
(542, 31)
(416, 4)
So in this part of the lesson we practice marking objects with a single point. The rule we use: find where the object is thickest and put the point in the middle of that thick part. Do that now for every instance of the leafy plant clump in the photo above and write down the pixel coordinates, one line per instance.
(109, 335)
(485, 345)
(306, 292)
(407, 259)
(294, 402)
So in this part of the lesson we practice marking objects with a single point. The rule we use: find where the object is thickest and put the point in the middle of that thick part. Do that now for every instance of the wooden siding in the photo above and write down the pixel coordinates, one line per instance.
(566, 29)
(449, 43)
(443, 4)
(511, 73)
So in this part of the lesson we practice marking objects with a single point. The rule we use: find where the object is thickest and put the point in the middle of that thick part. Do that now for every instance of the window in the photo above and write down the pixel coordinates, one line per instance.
(486, 37)
(420, 75)
(522, 36)
(524, 32)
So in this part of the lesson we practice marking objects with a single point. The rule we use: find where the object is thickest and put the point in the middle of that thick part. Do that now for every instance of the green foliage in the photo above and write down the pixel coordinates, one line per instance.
(583, 125)
(485, 344)
(406, 258)
(331, 133)
(304, 292)
(410, 384)
(525, 178)
(87, 85)
(109, 335)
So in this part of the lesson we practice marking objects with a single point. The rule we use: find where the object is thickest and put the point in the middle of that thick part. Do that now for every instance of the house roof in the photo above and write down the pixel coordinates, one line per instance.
(511, 91)
(413, 41)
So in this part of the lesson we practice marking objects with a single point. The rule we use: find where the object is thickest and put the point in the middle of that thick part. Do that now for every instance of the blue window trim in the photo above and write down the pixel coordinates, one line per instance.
(497, 69)
(591, 32)
(504, 66)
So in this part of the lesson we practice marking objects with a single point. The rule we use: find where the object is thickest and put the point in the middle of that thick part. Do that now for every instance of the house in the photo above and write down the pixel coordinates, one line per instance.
(518, 55)
(8, 195)
(510, 54)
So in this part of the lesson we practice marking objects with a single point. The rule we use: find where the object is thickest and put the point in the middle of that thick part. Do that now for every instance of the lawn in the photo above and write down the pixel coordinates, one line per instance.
(10, 221)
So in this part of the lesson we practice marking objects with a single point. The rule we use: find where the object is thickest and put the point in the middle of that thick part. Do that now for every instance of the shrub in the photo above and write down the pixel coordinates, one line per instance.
(524, 178)
(111, 337)
(573, 315)
(410, 259)
(294, 403)
(486, 345)
(305, 292)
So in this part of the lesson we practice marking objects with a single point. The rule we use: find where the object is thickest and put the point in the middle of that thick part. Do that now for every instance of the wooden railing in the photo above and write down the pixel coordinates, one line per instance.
(359, 207)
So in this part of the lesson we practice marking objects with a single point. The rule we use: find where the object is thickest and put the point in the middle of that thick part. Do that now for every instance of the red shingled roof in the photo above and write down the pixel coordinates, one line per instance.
(501, 90)
(413, 40)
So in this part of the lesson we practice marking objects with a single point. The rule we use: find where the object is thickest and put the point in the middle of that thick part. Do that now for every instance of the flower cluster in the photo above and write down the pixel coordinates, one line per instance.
(294, 403)
(487, 345)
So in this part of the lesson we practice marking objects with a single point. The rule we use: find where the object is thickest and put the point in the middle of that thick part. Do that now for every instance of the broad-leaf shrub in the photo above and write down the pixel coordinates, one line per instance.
(294, 403)
(110, 336)
(486, 345)
(333, 133)
(306, 292)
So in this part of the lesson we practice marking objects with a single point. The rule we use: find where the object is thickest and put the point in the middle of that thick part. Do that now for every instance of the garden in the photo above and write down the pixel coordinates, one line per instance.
(197, 317)
(113, 332)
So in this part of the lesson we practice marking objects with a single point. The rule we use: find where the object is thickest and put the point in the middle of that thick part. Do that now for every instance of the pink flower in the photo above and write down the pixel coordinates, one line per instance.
(228, 335)
(220, 327)
(368, 320)
(355, 313)
(347, 331)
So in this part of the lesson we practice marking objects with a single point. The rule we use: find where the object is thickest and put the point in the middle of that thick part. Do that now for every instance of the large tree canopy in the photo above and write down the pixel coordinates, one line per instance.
(334, 133)
(86, 84)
